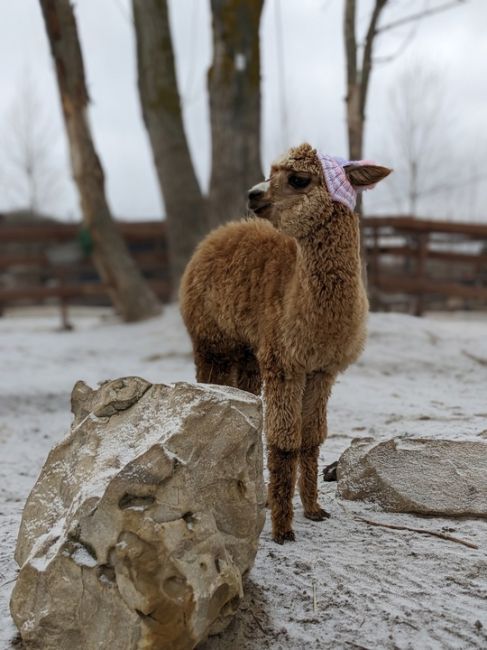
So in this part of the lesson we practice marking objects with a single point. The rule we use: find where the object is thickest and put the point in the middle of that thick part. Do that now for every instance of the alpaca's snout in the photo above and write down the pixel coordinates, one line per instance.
(258, 199)
(258, 190)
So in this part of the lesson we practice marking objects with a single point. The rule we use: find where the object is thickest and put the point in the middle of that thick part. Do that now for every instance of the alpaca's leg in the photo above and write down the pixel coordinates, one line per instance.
(283, 398)
(214, 367)
(316, 394)
(308, 483)
(248, 372)
(282, 470)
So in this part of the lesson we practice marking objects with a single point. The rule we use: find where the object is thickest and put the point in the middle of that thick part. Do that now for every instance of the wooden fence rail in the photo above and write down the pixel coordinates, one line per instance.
(416, 262)
(432, 263)
(46, 261)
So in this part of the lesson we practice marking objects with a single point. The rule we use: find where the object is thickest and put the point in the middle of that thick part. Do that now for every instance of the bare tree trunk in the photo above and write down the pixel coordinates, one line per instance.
(161, 109)
(358, 74)
(129, 291)
(352, 99)
(358, 77)
(234, 88)
(359, 71)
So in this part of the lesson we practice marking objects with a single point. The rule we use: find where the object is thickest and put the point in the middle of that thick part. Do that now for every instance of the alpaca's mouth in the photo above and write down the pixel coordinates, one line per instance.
(257, 207)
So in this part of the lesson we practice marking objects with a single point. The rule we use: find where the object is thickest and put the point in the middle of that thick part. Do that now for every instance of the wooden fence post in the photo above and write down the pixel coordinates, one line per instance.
(421, 267)
(374, 276)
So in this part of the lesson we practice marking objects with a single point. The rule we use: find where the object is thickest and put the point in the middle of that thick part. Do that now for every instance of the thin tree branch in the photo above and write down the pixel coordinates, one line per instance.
(423, 531)
(419, 15)
(442, 187)
(350, 42)
(402, 47)
(372, 31)
(480, 360)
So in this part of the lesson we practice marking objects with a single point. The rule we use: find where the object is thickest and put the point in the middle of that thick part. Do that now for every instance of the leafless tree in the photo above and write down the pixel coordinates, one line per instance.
(438, 166)
(31, 174)
(234, 89)
(128, 289)
(421, 135)
(360, 61)
(163, 118)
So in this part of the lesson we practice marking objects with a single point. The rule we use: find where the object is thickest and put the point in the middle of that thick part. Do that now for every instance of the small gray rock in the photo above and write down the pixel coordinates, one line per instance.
(430, 477)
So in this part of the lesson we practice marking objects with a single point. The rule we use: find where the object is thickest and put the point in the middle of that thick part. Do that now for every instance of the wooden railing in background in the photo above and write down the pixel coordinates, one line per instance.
(413, 264)
(426, 264)
(46, 261)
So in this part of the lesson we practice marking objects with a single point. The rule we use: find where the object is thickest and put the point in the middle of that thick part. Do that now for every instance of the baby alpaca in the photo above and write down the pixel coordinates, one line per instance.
(282, 302)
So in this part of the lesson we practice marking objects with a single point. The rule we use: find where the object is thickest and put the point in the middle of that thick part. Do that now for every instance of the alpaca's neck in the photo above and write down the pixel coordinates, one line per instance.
(329, 259)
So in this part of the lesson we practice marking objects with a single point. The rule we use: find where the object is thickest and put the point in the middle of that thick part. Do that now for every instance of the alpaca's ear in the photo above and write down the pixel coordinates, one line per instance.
(361, 175)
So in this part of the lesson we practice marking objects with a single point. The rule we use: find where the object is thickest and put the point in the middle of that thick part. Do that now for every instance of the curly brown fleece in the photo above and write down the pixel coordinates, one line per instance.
(282, 304)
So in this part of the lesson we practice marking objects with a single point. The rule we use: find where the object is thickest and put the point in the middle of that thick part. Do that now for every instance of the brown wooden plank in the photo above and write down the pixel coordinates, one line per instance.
(147, 258)
(41, 293)
(33, 259)
(444, 256)
(38, 233)
(410, 224)
(68, 291)
(412, 285)
(133, 231)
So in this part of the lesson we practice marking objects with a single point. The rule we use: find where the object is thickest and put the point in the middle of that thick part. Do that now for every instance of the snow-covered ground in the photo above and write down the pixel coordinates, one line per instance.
(343, 584)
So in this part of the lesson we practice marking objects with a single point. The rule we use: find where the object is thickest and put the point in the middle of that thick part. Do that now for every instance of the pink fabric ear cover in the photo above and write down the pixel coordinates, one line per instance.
(337, 182)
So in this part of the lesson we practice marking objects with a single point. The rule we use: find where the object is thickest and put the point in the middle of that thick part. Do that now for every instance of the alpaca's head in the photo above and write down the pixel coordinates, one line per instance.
(302, 189)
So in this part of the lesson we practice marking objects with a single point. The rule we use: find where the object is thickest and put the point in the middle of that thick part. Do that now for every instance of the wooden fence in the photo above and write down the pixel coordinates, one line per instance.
(426, 264)
(51, 261)
(413, 264)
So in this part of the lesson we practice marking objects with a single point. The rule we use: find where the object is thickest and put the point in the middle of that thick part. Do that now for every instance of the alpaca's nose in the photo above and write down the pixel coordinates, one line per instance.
(257, 191)
(255, 194)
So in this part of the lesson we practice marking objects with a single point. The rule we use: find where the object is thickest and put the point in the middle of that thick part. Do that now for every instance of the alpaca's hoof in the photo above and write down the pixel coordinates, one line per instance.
(317, 515)
(288, 536)
(330, 472)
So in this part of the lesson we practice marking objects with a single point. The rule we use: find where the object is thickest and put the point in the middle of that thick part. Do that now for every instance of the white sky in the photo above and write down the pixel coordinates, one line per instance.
(453, 43)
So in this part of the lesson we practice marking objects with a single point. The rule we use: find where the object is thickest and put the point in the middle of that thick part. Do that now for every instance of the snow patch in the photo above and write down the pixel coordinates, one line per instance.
(343, 583)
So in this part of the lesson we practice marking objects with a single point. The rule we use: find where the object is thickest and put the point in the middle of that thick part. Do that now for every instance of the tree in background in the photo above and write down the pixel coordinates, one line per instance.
(234, 89)
(426, 146)
(235, 104)
(360, 61)
(163, 118)
(421, 130)
(358, 74)
(129, 291)
(31, 176)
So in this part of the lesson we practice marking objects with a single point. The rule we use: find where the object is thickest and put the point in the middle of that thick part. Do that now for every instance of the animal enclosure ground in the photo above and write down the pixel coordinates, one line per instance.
(343, 584)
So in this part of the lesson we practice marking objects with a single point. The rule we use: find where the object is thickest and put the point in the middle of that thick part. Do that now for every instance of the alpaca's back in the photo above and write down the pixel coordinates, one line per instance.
(235, 281)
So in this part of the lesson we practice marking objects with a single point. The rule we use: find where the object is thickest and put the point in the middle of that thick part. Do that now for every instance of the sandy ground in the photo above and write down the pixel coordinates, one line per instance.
(343, 584)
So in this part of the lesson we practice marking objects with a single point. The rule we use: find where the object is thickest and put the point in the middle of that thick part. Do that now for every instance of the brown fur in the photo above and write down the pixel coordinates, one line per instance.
(282, 302)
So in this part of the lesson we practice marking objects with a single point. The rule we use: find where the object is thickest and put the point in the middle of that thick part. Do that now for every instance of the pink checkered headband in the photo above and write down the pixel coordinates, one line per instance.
(336, 179)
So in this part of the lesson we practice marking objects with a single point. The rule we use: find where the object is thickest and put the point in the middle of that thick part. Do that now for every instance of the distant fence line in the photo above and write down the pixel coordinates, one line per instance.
(413, 264)
(46, 261)
(426, 264)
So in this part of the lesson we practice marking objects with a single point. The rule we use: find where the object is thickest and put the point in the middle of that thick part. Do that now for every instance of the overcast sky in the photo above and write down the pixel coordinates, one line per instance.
(453, 44)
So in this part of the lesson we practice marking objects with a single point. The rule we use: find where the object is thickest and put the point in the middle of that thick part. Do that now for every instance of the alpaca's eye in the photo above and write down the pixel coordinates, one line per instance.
(298, 182)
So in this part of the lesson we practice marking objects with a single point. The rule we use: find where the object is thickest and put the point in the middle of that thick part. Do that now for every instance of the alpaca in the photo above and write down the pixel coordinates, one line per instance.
(281, 302)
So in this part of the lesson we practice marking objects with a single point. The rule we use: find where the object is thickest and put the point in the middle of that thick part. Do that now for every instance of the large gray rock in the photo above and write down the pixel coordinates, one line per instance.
(430, 477)
(143, 520)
